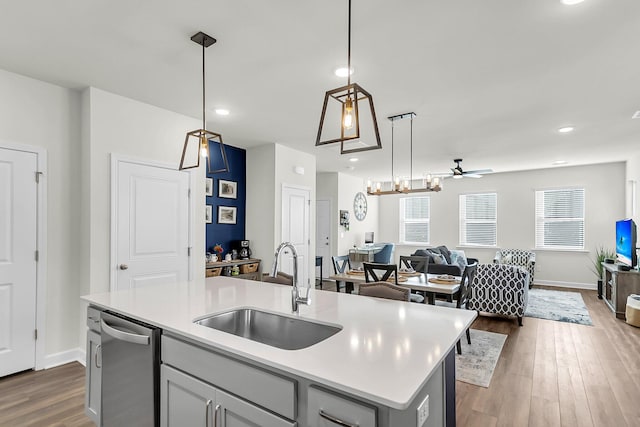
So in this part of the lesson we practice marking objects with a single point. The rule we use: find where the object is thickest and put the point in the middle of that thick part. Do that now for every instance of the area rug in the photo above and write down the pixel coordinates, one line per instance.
(558, 305)
(478, 361)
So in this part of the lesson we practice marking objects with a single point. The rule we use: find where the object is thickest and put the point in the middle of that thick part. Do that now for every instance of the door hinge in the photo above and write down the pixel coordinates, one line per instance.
(189, 193)
(37, 255)
(35, 334)
(189, 251)
(38, 177)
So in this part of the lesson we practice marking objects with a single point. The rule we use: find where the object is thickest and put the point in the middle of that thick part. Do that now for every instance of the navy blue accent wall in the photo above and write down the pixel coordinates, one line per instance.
(225, 233)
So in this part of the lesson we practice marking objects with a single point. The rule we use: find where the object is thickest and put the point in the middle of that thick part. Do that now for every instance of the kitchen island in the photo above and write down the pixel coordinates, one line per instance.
(389, 359)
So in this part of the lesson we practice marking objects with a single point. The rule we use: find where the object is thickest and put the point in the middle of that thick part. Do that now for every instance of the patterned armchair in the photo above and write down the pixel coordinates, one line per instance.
(519, 257)
(500, 289)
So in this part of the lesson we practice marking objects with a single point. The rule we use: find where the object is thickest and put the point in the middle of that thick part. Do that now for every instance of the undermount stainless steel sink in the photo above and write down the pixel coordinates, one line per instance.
(287, 333)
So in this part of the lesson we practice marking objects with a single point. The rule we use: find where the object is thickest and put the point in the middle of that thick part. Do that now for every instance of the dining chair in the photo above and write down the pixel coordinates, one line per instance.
(384, 290)
(342, 265)
(463, 296)
(417, 263)
(374, 272)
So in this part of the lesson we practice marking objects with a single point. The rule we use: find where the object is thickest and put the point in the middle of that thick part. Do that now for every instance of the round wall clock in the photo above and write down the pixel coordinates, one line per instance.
(360, 206)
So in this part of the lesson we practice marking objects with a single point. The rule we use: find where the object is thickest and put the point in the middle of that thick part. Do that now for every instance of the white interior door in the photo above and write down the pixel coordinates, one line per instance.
(295, 229)
(151, 225)
(323, 235)
(18, 244)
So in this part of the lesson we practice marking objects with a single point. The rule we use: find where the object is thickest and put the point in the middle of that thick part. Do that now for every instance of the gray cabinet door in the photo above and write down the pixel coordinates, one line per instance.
(93, 380)
(184, 400)
(236, 412)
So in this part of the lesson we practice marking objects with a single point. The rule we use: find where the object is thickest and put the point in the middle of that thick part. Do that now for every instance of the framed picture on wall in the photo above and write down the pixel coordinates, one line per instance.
(208, 186)
(208, 214)
(227, 214)
(227, 189)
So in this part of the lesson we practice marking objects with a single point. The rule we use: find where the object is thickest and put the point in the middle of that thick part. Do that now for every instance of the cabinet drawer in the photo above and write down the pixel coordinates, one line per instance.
(93, 319)
(324, 406)
(263, 388)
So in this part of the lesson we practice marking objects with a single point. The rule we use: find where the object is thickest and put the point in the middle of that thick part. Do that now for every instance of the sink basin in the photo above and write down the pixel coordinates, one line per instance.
(287, 333)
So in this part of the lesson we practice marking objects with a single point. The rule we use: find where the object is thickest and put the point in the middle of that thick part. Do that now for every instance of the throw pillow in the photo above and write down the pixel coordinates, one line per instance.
(459, 258)
(507, 259)
(446, 253)
(423, 252)
(438, 258)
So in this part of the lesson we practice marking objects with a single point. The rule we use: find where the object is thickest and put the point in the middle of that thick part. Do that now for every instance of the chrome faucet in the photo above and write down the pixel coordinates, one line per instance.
(295, 293)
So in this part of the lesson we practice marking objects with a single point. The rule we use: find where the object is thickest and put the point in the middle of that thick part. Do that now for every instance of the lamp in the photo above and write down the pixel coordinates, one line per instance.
(197, 142)
(404, 186)
(343, 121)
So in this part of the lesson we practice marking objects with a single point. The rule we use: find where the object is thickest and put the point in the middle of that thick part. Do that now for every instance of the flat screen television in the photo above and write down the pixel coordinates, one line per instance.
(368, 237)
(626, 242)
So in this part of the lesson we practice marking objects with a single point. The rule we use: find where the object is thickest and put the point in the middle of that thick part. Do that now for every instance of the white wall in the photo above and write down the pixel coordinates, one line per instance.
(269, 167)
(633, 200)
(122, 126)
(605, 203)
(260, 207)
(47, 116)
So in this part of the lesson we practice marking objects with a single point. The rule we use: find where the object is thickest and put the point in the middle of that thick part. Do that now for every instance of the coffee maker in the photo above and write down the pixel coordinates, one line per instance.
(242, 246)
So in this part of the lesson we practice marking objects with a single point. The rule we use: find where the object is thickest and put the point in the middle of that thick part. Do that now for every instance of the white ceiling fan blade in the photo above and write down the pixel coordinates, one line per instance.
(472, 175)
(478, 172)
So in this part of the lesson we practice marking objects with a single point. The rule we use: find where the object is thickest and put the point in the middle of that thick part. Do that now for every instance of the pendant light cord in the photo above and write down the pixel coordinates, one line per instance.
(393, 183)
(411, 154)
(349, 48)
(203, 86)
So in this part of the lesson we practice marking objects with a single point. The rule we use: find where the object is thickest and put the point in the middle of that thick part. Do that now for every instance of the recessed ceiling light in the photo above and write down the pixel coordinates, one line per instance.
(353, 159)
(566, 129)
(222, 111)
(636, 115)
(342, 72)
(571, 2)
(559, 162)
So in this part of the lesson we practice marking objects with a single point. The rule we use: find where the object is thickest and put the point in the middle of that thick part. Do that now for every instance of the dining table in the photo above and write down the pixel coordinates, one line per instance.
(428, 284)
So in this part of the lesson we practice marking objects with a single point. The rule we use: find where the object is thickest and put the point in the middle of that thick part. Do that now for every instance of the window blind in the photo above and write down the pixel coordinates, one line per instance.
(414, 219)
(478, 219)
(560, 219)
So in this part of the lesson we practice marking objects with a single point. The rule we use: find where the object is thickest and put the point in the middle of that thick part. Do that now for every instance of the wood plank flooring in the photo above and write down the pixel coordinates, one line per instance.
(549, 374)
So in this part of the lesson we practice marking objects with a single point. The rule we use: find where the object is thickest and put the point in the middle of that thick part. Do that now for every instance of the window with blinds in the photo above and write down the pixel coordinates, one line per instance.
(560, 219)
(478, 219)
(414, 220)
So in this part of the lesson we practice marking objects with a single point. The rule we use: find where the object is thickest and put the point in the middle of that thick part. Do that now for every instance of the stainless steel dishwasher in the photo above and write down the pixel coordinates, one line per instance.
(130, 372)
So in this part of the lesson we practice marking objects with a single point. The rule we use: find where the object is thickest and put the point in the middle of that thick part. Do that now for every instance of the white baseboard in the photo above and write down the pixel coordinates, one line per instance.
(574, 285)
(68, 356)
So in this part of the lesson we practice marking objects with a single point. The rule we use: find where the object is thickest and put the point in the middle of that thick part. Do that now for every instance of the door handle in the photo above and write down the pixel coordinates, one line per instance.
(206, 413)
(215, 416)
(124, 336)
(124, 267)
(95, 356)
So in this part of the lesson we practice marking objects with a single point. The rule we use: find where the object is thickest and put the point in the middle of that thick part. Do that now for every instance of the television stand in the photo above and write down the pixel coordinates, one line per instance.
(618, 285)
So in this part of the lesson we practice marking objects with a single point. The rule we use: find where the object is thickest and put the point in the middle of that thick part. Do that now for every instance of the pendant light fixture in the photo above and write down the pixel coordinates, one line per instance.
(198, 142)
(399, 185)
(351, 120)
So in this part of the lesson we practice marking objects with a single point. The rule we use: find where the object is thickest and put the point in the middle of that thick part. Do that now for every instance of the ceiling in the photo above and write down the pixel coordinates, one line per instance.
(490, 81)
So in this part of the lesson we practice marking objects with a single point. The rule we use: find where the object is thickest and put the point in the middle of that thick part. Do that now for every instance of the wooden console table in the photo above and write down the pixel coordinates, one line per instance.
(618, 285)
(249, 269)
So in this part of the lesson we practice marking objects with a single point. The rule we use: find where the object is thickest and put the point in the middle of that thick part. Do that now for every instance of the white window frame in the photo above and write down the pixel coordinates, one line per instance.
(462, 222)
(403, 221)
(540, 220)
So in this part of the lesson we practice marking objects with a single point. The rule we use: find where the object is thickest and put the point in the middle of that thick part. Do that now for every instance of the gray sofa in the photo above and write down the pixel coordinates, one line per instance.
(440, 261)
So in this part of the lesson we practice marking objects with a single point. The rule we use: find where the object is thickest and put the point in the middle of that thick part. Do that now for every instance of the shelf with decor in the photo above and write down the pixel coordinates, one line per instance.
(247, 269)
(618, 285)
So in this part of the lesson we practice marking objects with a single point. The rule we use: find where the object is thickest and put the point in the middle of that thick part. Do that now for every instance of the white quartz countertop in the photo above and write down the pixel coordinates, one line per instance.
(385, 352)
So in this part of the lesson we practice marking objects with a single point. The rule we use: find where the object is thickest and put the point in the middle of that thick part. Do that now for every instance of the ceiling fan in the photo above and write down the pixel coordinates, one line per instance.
(458, 173)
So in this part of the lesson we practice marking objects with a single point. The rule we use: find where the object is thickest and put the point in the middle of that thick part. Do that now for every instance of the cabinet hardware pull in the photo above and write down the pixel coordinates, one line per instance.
(215, 416)
(206, 413)
(95, 356)
(335, 420)
(124, 336)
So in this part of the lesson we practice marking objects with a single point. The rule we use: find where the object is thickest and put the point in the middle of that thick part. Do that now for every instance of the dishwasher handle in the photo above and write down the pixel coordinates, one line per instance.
(124, 336)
